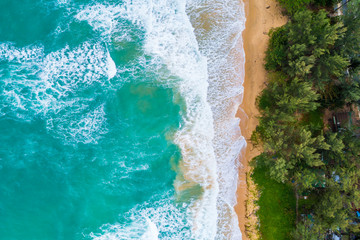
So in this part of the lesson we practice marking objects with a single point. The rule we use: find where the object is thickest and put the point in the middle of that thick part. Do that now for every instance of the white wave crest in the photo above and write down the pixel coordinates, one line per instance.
(100, 17)
(41, 82)
(8, 52)
(111, 66)
(134, 231)
(45, 85)
(150, 221)
(79, 125)
(170, 39)
(152, 232)
(171, 42)
(218, 27)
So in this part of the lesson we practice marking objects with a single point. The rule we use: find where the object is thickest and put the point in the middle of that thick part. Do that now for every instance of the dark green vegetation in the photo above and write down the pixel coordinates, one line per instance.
(277, 203)
(291, 6)
(314, 65)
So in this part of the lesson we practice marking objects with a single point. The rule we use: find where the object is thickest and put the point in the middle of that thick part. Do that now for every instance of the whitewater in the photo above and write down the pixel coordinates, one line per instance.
(117, 119)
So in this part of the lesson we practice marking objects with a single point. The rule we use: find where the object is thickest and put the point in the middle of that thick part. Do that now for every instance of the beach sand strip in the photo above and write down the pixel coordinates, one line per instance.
(262, 15)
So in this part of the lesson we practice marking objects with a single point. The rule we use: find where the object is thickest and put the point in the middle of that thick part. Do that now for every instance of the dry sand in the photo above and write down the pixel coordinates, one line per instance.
(262, 15)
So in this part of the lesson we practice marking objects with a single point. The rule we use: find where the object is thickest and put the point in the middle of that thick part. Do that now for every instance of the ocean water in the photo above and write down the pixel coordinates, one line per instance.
(117, 119)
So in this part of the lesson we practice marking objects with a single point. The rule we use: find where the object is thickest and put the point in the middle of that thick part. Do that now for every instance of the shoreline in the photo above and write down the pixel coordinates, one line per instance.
(261, 16)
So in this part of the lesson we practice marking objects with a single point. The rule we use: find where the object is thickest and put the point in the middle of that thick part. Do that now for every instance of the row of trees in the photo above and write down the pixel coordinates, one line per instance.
(314, 64)
(292, 6)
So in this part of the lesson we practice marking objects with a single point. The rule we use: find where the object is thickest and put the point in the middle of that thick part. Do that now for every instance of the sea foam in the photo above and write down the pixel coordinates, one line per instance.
(151, 220)
(171, 42)
(134, 231)
(200, 46)
(218, 28)
(170, 37)
(208, 63)
(45, 85)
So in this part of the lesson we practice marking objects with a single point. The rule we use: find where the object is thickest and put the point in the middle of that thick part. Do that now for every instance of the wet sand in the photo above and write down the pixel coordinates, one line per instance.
(262, 15)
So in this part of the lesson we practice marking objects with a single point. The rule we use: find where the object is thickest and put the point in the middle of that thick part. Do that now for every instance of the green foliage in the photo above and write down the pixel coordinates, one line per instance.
(351, 88)
(309, 179)
(293, 6)
(288, 148)
(314, 63)
(333, 208)
(277, 50)
(288, 97)
(310, 56)
(305, 230)
(314, 49)
(314, 120)
(350, 44)
(331, 212)
(325, 3)
(337, 146)
(277, 207)
(286, 144)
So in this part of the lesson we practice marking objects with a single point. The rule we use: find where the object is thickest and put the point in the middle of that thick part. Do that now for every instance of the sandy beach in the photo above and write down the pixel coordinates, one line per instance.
(262, 15)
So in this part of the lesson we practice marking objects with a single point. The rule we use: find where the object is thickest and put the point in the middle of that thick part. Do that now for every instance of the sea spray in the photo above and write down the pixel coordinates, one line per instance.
(218, 28)
(108, 117)
(175, 44)
(170, 37)
(170, 40)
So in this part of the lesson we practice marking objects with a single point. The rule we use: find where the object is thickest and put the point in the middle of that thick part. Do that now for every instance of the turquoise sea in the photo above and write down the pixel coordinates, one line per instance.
(117, 119)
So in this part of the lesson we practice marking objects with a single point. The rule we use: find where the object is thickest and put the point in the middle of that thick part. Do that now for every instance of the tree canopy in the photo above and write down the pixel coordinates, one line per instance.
(313, 64)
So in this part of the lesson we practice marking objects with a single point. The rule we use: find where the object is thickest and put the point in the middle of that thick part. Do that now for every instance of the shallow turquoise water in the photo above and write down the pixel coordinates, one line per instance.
(81, 148)
(117, 119)
(51, 188)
